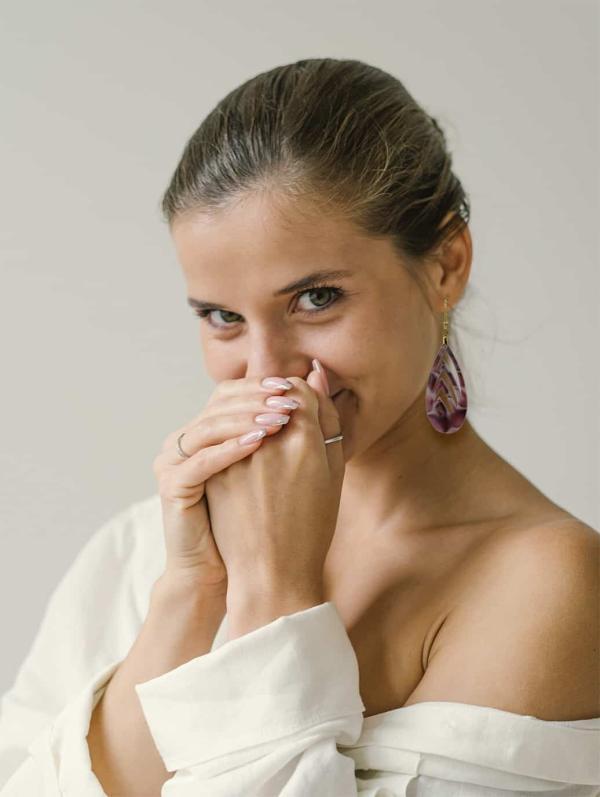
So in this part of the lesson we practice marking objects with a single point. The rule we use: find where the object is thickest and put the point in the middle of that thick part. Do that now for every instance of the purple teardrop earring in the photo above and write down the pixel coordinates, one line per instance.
(446, 395)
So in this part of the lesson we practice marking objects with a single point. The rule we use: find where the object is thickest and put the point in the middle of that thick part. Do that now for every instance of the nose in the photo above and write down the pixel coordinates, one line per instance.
(285, 368)
(270, 357)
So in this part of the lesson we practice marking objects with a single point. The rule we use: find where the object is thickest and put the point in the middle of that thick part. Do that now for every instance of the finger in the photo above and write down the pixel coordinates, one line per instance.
(329, 423)
(230, 395)
(251, 404)
(217, 429)
(247, 400)
(181, 482)
(248, 386)
(316, 419)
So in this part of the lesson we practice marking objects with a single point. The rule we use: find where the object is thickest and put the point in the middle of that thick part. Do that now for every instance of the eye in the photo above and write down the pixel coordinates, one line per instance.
(320, 289)
(334, 290)
(205, 316)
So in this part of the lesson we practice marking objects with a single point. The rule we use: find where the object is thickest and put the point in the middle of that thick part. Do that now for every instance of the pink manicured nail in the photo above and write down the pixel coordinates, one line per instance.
(282, 401)
(277, 383)
(318, 367)
(271, 418)
(252, 437)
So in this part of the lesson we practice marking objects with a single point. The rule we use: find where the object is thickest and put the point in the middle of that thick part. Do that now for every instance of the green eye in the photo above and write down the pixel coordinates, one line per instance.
(336, 291)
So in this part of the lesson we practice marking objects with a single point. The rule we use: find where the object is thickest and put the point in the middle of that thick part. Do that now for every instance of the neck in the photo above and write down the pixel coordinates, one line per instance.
(413, 477)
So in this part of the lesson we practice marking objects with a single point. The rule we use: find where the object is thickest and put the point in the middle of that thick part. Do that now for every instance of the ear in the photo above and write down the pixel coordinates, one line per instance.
(449, 267)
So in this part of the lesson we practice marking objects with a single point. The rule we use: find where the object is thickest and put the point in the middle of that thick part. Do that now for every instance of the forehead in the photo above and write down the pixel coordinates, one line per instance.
(261, 232)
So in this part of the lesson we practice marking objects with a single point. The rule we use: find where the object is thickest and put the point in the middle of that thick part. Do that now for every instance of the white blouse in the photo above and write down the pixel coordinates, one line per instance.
(274, 713)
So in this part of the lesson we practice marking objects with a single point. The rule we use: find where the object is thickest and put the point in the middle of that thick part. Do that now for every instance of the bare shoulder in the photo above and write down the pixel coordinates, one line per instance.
(555, 555)
(525, 635)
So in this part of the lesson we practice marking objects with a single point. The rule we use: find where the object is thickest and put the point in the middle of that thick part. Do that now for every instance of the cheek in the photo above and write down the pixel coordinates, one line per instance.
(388, 338)
(217, 364)
(411, 356)
(395, 350)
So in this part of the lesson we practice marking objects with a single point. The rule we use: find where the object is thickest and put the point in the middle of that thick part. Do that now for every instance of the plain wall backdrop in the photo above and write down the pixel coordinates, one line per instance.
(100, 353)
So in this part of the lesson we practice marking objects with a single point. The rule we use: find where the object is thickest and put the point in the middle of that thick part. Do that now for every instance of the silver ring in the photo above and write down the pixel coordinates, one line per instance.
(186, 456)
(180, 449)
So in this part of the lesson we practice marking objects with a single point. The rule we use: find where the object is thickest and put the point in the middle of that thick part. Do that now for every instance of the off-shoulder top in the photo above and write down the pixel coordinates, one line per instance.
(274, 713)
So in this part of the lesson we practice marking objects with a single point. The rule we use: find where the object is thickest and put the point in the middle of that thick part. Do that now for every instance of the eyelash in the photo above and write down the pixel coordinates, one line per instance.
(338, 292)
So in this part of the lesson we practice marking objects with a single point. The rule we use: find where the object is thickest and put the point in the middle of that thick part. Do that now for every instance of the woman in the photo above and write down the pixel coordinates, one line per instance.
(371, 601)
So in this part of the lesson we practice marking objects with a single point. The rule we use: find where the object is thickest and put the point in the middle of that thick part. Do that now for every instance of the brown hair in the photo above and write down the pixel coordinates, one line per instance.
(342, 134)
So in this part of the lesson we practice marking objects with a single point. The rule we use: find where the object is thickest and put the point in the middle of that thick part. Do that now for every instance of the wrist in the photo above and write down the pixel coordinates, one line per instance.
(182, 620)
(174, 590)
(251, 606)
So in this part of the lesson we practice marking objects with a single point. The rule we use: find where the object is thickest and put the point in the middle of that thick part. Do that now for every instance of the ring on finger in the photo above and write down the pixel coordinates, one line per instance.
(180, 450)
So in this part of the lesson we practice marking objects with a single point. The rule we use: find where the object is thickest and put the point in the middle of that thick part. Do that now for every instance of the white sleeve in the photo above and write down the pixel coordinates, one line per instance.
(91, 620)
(59, 763)
(262, 714)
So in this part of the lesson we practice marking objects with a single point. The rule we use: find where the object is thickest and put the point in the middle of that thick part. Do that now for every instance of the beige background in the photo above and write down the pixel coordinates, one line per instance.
(100, 355)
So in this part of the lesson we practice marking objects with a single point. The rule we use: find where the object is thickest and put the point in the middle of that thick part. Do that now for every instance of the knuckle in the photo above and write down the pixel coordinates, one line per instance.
(301, 384)
(210, 430)
(312, 398)
(220, 391)
(299, 433)
(164, 483)
(304, 431)
(306, 391)
(168, 440)
(226, 386)
(171, 439)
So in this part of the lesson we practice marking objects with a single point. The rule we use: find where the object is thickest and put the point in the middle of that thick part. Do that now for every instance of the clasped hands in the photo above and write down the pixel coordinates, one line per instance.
(273, 514)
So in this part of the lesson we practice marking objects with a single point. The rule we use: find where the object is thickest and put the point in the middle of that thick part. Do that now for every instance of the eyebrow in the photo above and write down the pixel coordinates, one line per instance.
(292, 287)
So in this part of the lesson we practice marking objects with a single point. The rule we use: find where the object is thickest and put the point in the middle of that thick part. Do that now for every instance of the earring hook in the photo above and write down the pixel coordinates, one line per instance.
(445, 322)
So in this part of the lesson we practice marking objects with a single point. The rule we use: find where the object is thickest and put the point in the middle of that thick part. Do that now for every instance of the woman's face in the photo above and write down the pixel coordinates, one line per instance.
(371, 328)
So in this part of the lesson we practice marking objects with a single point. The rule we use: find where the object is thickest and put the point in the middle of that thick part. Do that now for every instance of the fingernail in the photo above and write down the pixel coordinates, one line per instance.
(277, 382)
(282, 401)
(251, 437)
(271, 418)
(318, 367)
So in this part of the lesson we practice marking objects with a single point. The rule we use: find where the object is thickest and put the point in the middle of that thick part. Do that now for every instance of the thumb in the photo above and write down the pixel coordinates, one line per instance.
(329, 419)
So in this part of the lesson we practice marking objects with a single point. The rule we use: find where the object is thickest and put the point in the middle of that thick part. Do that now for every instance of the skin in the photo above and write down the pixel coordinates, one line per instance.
(427, 522)
(378, 342)
(413, 502)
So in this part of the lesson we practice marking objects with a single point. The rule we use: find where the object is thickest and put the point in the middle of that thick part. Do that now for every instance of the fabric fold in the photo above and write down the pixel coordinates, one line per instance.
(262, 701)
(450, 746)
(489, 737)
(60, 763)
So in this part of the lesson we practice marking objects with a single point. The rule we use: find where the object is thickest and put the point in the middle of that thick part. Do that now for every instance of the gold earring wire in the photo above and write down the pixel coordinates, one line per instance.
(445, 322)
